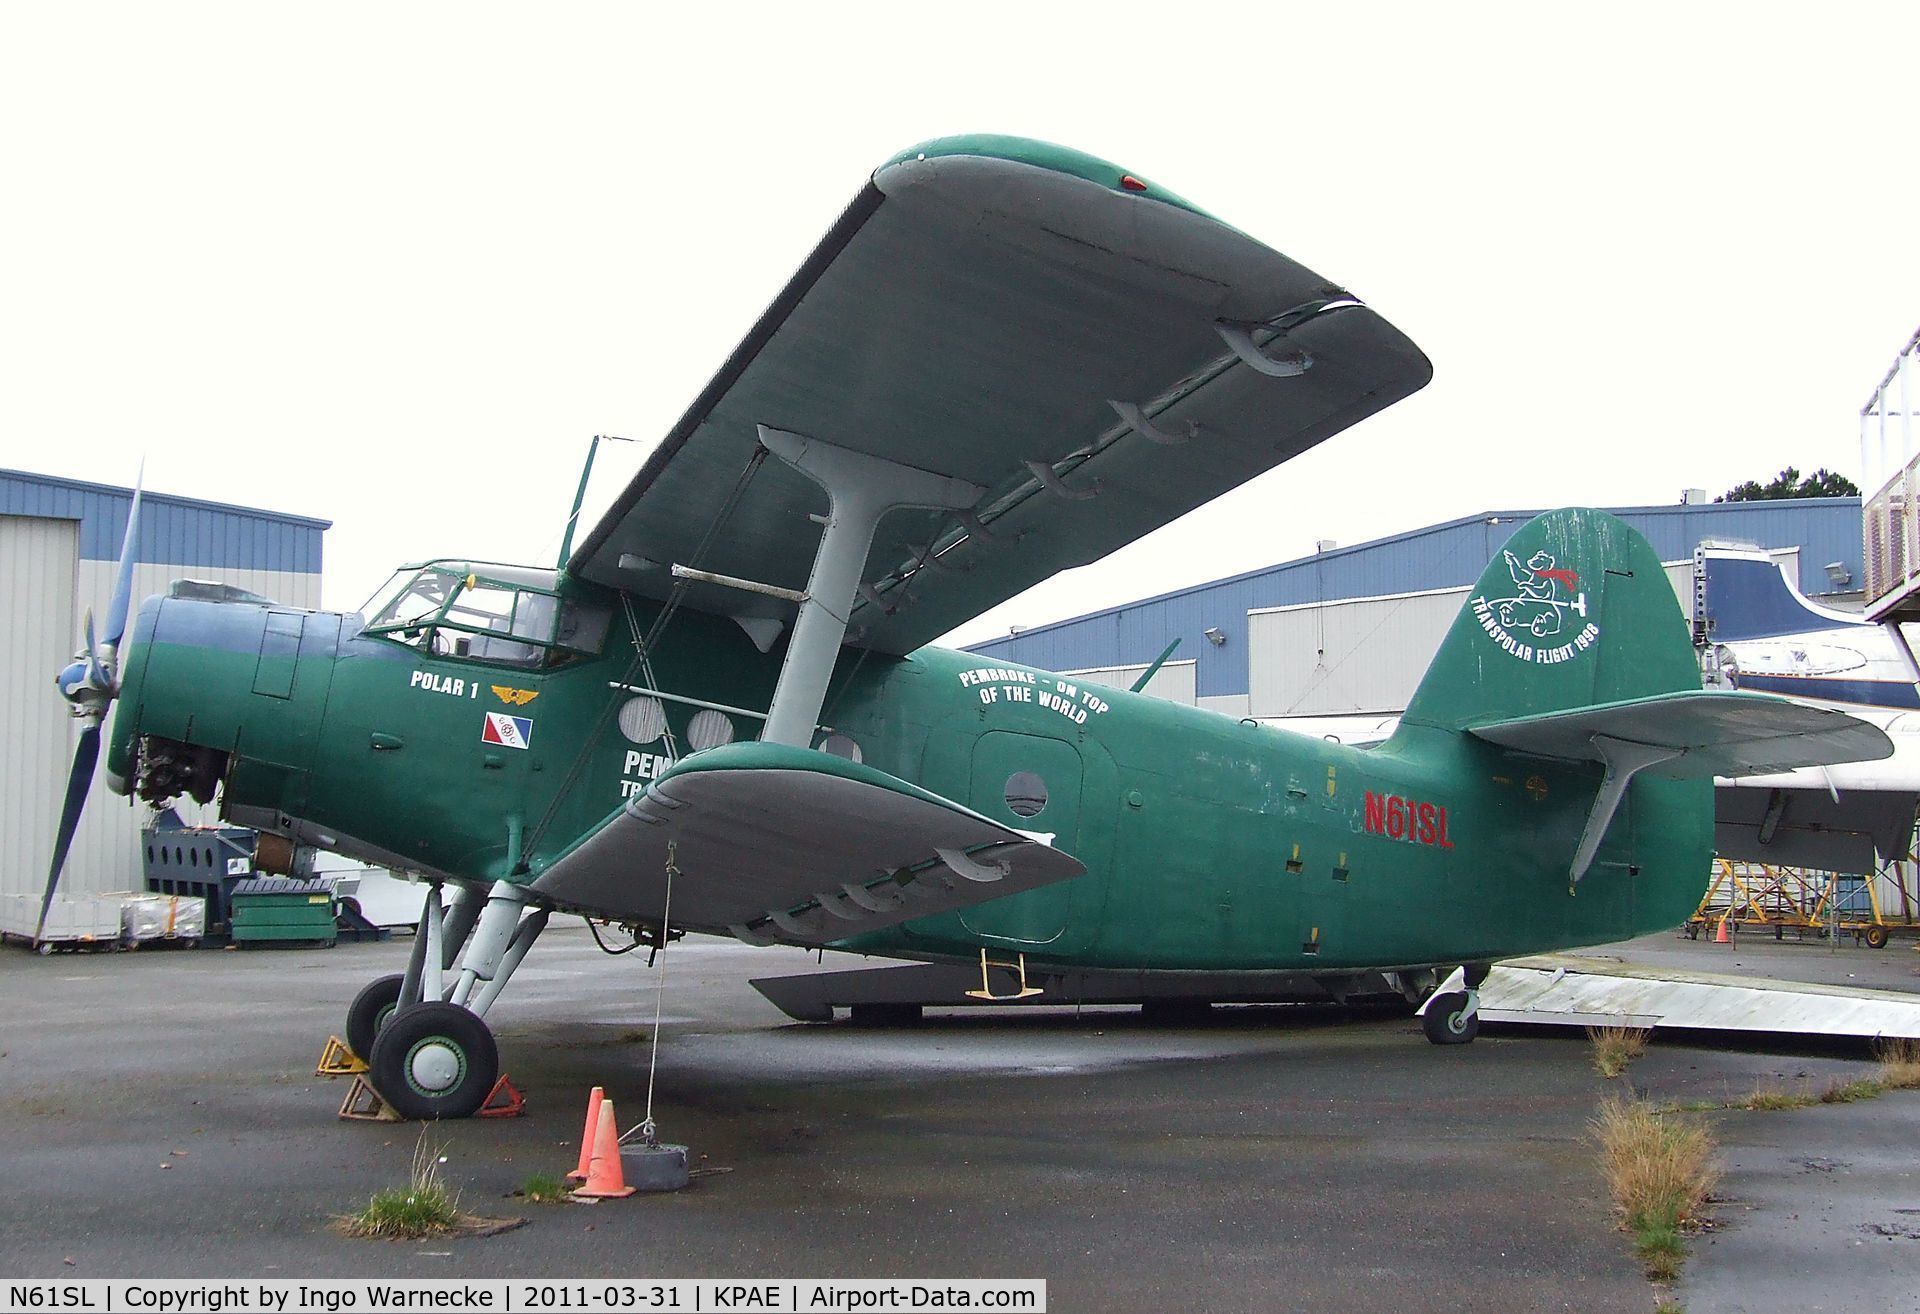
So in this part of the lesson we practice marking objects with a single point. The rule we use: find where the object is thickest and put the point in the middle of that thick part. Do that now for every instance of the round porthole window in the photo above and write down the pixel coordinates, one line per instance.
(709, 729)
(643, 720)
(841, 746)
(1026, 794)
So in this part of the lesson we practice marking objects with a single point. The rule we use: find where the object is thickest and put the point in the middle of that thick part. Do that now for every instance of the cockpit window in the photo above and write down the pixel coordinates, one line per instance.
(411, 601)
(470, 616)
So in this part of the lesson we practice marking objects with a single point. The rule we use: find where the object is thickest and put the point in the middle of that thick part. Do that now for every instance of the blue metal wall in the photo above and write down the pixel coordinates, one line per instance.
(1448, 555)
(174, 531)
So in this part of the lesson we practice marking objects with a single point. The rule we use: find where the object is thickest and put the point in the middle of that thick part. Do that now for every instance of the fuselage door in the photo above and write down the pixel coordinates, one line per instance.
(1032, 783)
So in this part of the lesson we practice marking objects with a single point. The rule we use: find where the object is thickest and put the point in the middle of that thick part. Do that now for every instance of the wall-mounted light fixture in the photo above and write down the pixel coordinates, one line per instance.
(1838, 573)
(1215, 635)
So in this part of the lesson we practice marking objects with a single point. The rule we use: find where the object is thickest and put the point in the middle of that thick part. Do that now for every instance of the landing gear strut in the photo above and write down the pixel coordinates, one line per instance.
(1451, 1014)
(429, 1053)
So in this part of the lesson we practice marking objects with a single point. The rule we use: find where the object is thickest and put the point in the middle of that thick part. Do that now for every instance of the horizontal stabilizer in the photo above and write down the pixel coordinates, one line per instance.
(1698, 734)
(774, 843)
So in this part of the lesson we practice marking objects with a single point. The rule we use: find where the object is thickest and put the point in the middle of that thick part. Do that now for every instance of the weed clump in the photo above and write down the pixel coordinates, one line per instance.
(544, 1188)
(1900, 1064)
(1615, 1047)
(1771, 1099)
(423, 1207)
(1660, 1171)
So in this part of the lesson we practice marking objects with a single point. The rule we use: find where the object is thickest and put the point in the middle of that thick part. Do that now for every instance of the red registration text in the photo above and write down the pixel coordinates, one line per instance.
(1407, 819)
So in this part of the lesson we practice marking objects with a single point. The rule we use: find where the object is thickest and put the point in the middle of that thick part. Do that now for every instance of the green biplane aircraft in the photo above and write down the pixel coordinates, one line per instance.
(720, 713)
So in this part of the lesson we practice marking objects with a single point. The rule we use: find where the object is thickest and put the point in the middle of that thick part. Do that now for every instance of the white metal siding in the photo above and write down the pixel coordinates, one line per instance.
(37, 628)
(1361, 655)
(45, 592)
(1173, 682)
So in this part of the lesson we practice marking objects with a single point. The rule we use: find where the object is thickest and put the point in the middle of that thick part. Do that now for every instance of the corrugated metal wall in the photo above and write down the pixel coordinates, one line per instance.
(1363, 655)
(59, 543)
(37, 563)
(181, 530)
(1448, 555)
(1173, 681)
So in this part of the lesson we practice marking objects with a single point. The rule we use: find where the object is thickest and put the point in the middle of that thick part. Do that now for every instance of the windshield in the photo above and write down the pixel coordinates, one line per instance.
(451, 613)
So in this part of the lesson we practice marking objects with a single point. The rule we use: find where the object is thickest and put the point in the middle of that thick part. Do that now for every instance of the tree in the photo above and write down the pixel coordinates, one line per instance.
(1821, 483)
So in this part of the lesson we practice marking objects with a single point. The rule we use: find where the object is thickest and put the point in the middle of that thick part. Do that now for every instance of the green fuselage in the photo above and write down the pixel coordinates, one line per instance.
(1209, 843)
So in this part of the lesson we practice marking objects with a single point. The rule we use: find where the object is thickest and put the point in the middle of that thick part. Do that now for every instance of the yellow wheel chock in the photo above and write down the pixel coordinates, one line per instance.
(364, 1104)
(336, 1060)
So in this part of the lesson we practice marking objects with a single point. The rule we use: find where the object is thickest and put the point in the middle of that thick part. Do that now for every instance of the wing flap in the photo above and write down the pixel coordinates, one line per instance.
(785, 844)
(1706, 733)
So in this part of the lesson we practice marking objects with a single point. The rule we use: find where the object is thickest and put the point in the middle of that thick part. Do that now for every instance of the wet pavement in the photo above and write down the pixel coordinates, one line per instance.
(159, 1119)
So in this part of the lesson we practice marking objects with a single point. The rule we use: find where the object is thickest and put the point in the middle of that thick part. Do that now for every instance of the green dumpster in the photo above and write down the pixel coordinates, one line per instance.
(279, 911)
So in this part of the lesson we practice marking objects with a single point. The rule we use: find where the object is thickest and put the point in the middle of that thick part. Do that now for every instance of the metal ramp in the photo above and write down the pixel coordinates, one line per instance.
(1555, 991)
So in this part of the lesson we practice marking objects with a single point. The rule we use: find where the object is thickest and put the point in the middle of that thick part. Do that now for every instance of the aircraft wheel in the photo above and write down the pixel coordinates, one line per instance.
(369, 1012)
(434, 1060)
(1876, 937)
(1447, 1021)
(883, 1015)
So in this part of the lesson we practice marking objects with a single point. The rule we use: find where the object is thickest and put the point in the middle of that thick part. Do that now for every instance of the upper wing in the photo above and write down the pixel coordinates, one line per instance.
(1707, 733)
(776, 843)
(1027, 319)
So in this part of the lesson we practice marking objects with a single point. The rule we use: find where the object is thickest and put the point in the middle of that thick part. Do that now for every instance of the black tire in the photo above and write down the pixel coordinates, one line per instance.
(1447, 1021)
(884, 1015)
(434, 1060)
(369, 1012)
(1876, 937)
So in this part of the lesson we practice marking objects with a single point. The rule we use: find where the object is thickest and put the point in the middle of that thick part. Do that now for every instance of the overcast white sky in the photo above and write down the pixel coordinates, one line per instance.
(393, 265)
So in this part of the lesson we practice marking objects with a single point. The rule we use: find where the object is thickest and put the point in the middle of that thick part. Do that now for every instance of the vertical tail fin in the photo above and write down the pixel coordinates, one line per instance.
(1576, 610)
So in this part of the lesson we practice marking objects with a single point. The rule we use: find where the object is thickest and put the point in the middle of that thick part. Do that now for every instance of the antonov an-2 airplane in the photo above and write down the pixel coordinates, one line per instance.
(720, 714)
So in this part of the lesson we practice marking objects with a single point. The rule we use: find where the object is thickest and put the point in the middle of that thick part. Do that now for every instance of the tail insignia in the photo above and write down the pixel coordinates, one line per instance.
(1545, 601)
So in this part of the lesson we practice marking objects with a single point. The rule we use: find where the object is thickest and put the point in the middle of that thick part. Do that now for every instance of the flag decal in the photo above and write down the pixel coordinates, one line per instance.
(508, 731)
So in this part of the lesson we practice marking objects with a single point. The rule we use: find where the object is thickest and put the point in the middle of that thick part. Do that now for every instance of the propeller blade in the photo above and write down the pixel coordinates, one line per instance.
(123, 579)
(98, 676)
(79, 780)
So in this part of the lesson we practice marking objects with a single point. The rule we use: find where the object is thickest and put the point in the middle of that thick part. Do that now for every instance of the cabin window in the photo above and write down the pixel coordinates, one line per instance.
(841, 746)
(709, 729)
(1026, 794)
(643, 720)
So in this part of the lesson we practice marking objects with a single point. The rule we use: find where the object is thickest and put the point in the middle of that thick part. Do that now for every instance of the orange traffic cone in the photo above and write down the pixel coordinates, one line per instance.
(586, 1136)
(606, 1180)
(1720, 936)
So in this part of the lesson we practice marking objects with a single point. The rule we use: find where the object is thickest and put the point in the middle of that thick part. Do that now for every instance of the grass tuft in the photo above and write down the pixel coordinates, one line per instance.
(423, 1207)
(544, 1188)
(1660, 1171)
(1615, 1047)
(1771, 1099)
(1847, 1092)
(1900, 1064)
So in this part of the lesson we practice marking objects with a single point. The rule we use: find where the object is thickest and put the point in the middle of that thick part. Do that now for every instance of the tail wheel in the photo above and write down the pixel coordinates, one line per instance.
(369, 1012)
(1449, 1020)
(434, 1060)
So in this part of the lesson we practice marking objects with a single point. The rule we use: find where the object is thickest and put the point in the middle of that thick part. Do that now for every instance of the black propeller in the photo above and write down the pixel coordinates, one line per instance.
(89, 684)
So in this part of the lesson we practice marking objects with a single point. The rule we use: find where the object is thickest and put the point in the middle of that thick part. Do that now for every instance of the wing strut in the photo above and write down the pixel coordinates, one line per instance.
(1623, 759)
(861, 489)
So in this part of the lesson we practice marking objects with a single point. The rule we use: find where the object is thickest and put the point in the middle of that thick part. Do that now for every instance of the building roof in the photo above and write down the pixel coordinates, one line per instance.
(174, 530)
(1451, 554)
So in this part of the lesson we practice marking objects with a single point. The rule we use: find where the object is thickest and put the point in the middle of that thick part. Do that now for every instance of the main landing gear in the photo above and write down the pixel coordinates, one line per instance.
(428, 1052)
(1451, 1013)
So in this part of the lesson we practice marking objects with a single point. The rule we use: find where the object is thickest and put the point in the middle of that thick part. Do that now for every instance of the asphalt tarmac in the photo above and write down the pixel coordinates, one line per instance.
(160, 1118)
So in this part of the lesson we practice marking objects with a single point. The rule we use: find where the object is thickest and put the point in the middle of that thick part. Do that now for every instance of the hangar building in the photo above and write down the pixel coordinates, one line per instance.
(59, 546)
(1351, 630)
